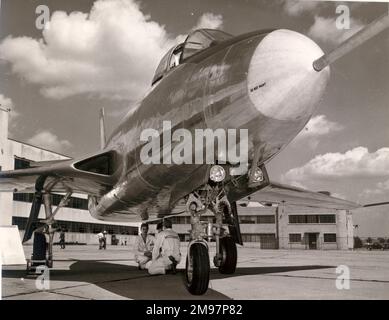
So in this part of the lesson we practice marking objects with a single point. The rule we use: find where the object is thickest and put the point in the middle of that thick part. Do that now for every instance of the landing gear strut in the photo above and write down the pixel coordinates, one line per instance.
(197, 262)
(42, 249)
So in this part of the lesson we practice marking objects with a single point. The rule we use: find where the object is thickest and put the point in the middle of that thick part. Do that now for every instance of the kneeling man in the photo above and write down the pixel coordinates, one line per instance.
(166, 252)
(143, 247)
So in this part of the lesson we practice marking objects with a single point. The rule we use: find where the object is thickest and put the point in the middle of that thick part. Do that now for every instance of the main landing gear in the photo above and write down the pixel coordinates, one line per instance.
(42, 253)
(212, 198)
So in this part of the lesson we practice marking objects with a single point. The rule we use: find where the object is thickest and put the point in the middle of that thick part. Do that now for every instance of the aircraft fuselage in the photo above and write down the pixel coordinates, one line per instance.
(262, 81)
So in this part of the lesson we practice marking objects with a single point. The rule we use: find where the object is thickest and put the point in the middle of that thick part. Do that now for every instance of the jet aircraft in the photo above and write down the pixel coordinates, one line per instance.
(267, 82)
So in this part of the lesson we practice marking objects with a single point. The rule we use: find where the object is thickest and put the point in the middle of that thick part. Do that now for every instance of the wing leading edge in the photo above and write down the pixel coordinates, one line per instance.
(290, 195)
(60, 176)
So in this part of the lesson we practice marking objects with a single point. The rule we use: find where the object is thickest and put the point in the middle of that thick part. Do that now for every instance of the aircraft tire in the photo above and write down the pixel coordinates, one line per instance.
(230, 255)
(197, 279)
(39, 246)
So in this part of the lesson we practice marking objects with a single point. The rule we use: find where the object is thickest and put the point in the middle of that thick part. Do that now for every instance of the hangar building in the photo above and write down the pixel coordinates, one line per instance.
(285, 227)
(81, 227)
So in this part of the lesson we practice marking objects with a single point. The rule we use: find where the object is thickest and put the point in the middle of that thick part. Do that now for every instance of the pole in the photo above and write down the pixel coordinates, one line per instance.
(102, 128)
(371, 30)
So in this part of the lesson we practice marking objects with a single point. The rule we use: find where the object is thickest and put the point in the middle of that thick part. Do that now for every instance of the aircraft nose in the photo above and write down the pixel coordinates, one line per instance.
(282, 83)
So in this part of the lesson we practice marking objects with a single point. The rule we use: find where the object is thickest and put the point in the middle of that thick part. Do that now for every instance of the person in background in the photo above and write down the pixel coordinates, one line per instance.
(143, 247)
(62, 239)
(104, 239)
(101, 237)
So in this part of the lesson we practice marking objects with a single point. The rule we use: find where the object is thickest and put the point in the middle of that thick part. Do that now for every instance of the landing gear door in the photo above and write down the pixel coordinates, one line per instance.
(234, 227)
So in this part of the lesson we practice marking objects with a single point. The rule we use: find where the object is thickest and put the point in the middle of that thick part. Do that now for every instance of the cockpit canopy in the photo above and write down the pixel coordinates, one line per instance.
(196, 41)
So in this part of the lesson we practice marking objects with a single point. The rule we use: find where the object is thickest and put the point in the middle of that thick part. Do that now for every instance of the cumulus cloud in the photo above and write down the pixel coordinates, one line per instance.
(295, 7)
(210, 21)
(358, 162)
(112, 51)
(325, 30)
(46, 139)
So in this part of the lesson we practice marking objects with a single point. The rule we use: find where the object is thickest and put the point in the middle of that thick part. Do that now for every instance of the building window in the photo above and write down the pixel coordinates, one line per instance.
(327, 218)
(297, 219)
(258, 219)
(81, 227)
(295, 237)
(265, 238)
(248, 219)
(312, 218)
(330, 237)
(23, 197)
(266, 219)
(75, 203)
(250, 237)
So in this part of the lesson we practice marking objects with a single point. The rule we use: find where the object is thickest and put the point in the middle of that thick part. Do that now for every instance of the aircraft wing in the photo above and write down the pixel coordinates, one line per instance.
(290, 195)
(58, 176)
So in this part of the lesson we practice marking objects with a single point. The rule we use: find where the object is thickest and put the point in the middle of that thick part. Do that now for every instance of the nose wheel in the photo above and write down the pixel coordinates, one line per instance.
(229, 256)
(197, 268)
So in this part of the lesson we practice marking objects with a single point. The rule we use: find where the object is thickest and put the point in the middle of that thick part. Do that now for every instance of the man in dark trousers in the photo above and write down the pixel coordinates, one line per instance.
(62, 239)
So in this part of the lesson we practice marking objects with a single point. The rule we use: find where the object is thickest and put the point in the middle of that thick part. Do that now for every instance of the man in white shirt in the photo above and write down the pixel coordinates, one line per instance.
(166, 253)
(101, 237)
(143, 247)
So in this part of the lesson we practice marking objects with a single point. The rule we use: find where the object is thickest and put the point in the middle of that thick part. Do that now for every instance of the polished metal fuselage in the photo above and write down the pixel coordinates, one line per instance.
(209, 90)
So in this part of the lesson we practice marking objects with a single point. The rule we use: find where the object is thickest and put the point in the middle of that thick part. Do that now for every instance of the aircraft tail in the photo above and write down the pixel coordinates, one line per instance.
(103, 139)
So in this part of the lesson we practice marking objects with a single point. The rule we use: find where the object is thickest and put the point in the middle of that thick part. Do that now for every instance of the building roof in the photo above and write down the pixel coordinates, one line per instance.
(44, 149)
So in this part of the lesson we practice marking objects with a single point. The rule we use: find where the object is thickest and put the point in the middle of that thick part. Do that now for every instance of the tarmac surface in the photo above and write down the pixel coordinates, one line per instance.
(84, 272)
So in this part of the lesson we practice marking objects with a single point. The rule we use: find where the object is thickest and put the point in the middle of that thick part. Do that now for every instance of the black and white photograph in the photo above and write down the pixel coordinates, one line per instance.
(175, 150)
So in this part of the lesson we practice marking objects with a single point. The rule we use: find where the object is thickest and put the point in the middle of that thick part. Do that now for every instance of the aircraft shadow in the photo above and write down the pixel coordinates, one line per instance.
(129, 282)
(248, 271)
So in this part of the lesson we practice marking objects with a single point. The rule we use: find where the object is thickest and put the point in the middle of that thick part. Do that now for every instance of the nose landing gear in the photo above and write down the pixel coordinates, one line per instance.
(197, 268)
(197, 261)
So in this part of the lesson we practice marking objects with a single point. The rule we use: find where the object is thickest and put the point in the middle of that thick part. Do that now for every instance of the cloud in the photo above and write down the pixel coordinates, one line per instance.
(207, 20)
(110, 52)
(46, 139)
(319, 126)
(210, 21)
(325, 30)
(358, 162)
(7, 103)
(380, 189)
(295, 7)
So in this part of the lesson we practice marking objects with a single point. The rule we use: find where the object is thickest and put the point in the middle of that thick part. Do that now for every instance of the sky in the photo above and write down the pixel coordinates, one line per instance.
(103, 53)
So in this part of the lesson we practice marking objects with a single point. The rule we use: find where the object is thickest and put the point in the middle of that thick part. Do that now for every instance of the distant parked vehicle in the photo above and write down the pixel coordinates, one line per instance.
(376, 246)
